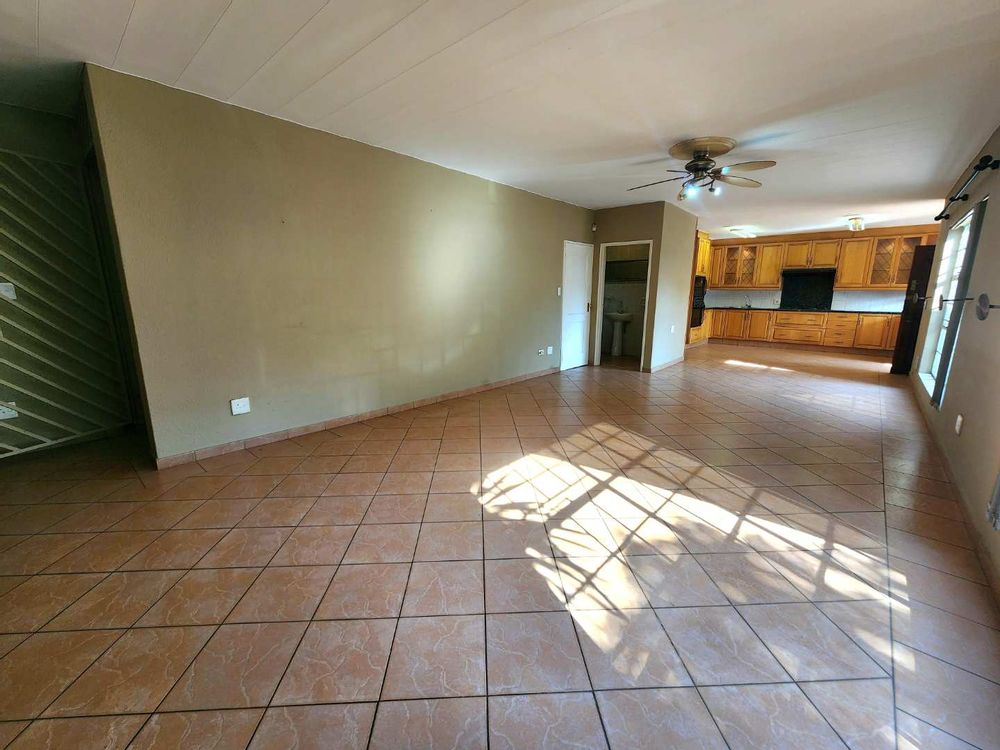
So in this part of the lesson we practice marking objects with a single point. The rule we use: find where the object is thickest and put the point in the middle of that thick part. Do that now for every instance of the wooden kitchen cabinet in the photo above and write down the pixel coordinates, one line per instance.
(893, 333)
(852, 268)
(872, 331)
(767, 271)
(718, 260)
(718, 323)
(758, 327)
(703, 255)
(824, 253)
(797, 255)
(733, 323)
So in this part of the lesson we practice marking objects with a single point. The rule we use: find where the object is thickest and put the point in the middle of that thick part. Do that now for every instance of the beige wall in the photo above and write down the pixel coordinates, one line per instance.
(320, 276)
(672, 232)
(673, 286)
(973, 456)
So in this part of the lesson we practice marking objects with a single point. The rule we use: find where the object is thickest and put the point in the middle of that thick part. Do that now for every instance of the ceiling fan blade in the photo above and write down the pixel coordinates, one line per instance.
(731, 179)
(749, 166)
(660, 182)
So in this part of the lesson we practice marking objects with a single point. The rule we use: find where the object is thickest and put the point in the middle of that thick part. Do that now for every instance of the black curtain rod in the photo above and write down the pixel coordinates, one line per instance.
(987, 162)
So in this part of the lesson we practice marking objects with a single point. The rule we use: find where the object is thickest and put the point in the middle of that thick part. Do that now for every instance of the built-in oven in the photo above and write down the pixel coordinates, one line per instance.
(698, 301)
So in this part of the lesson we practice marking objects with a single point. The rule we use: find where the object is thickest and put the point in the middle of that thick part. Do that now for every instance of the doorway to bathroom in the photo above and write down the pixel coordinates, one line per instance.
(623, 286)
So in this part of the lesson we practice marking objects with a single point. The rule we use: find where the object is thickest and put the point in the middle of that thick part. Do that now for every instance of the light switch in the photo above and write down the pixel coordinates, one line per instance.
(240, 405)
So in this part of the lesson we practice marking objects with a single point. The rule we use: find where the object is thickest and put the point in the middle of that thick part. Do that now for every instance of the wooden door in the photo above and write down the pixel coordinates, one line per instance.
(892, 332)
(872, 331)
(905, 249)
(748, 266)
(734, 323)
(759, 325)
(731, 266)
(767, 274)
(883, 262)
(824, 253)
(852, 269)
(797, 255)
(715, 267)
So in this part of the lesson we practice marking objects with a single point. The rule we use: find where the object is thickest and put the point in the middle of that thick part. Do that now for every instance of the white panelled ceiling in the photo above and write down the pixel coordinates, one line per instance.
(870, 108)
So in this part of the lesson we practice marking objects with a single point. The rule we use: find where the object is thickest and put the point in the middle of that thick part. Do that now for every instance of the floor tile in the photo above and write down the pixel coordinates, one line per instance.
(387, 508)
(383, 543)
(344, 726)
(807, 643)
(718, 648)
(505, 539)
(201, 597)
(675, 581)
(675, 718)
(315, 545)
(337, 662)
(628, 648)
(330, 511)
(747, 578)
(365, 591)
(546, 722)
(444, 588)
(39, 599)
(245, 548)
(450, 541)
(175, 550)
(282, 594)
(599, 583)
(768, 716)
(238, 668)
(223, 730)
(860, 711)
(534, 652)
(107, 732)
(437, 657)
(455, 723)
(960, 703)
(43, 666)
(523, 585)
(116, 602)
(278, 511)
(134, 674)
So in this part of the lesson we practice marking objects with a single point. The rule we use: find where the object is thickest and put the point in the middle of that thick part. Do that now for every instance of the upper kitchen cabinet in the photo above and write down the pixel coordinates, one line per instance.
(767, 272)
(876, 259)
(891, 260)
(797, 255)
(855, 260)
(824, 253)
(703, 255)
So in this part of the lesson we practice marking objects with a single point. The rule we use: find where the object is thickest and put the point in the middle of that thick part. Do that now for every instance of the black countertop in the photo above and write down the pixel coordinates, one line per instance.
(805, 309)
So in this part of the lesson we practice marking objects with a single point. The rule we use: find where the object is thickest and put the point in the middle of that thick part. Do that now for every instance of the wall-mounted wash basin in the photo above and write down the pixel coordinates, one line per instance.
(618, 320)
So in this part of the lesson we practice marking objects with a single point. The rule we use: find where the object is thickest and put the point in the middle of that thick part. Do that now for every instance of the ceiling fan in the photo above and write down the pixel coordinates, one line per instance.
(700, 170)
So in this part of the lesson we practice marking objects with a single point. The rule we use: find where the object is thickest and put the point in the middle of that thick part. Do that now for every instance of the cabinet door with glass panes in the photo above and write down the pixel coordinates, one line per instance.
(892, 258)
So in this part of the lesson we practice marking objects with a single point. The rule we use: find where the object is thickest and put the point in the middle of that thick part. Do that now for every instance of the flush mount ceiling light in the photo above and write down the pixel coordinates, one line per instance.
(700, 170)
(855, 223)
(743, 232)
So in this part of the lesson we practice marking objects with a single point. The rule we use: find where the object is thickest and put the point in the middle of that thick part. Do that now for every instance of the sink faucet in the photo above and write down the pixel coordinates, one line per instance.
(746, 302)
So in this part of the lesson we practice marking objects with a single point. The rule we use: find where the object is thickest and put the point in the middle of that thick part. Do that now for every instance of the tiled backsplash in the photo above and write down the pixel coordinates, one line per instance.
(876, 301)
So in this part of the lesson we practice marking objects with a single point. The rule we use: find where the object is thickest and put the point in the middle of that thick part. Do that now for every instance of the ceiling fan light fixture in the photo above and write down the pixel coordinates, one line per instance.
(745, 233)
(691, 191)
(856, 223)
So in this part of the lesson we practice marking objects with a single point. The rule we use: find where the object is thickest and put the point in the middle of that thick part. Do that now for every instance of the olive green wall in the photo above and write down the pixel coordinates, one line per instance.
(973, 456)
(40, 135)
(319, 276)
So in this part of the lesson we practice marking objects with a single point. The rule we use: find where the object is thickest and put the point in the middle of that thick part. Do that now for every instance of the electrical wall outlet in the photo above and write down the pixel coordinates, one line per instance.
(959, 421)
(6, 412)
(548, 350)
(240, 405)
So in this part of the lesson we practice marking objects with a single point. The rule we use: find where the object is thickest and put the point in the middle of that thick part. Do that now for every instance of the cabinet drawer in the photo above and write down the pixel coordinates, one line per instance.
(841, 321)
(838, 338)
(799, 319)
(798, 335)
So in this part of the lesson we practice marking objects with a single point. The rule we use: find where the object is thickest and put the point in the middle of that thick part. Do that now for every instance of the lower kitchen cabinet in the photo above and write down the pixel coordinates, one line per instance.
(759, 325)
(872, 331)
(844, 330)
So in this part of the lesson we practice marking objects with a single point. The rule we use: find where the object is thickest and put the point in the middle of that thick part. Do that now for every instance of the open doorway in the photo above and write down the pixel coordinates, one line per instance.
(623, 286)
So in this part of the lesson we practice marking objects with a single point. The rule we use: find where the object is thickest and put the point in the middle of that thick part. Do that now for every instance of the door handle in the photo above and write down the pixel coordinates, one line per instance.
(588, 307)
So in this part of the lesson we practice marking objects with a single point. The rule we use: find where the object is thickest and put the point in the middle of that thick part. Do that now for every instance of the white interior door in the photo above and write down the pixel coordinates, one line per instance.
(578, 260)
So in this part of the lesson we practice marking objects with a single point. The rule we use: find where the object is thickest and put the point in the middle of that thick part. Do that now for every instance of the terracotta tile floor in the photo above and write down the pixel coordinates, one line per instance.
(703, 558)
